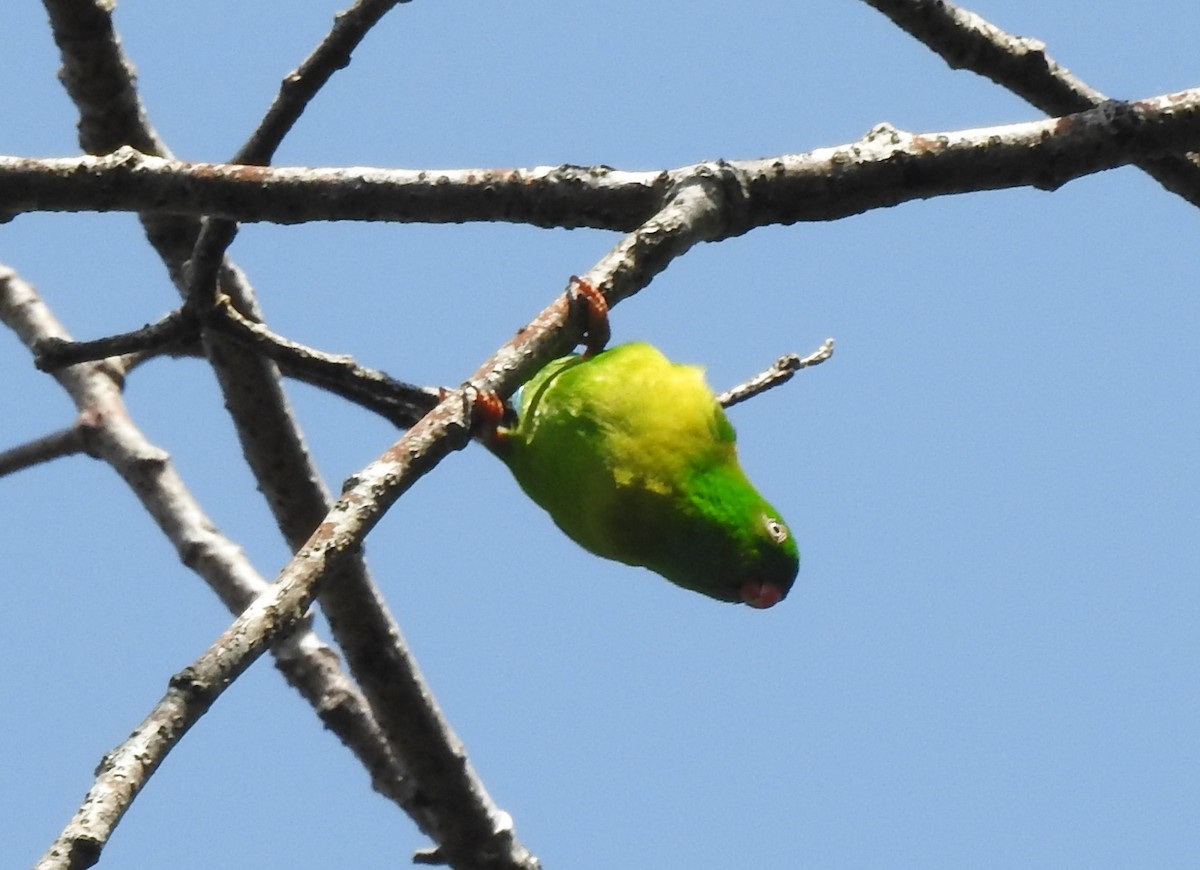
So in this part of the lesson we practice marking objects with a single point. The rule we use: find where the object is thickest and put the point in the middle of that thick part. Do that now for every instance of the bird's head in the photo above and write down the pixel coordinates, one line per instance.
(771, 570)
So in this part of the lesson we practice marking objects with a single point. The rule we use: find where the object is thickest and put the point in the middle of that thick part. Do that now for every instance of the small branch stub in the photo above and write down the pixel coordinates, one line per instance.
(779, 373)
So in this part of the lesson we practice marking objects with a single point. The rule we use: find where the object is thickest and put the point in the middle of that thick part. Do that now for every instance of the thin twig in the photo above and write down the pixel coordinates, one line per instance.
(966, 40)
(401, 403)
(206, 265)
(303, 83)
(65, 442)
(296, 91)
(53, 353)
(779, 373)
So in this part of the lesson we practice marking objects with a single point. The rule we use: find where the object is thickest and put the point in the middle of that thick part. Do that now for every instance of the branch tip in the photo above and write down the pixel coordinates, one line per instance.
(779, 373)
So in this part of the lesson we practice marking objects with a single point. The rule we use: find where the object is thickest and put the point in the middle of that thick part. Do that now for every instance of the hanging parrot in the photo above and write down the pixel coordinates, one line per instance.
(634, 459)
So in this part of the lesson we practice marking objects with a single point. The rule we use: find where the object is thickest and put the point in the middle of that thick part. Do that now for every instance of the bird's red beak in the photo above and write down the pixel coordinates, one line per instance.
(761, 595)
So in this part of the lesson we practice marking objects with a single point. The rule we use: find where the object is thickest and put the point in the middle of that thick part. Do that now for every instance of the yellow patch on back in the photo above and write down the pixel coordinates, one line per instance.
(651, 442)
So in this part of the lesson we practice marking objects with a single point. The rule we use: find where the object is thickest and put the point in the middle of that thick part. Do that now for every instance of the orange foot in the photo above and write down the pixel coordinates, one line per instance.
(489, 414)
(595, 309)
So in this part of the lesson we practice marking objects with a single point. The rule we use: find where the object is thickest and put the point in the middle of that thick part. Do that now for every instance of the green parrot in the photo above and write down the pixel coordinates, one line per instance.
(634, 459)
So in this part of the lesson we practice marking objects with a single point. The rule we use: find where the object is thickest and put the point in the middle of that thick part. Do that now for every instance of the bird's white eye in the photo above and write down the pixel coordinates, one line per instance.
(776, 529)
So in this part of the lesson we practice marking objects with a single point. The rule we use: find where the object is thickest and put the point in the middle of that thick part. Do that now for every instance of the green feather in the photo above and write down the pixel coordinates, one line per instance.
(634, 459)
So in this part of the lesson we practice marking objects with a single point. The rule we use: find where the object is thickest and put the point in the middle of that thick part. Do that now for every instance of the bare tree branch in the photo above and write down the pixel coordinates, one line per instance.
(778, 374)
(452, 805)
(190, 210)
(64, 442)
(274, 447)
(106, 431)
(967, 41)
(100, 79)
(885, 168)
(53, 353)
(277, 610)
(126, 180)
(302, 84)
(403, 404)
(280, 608)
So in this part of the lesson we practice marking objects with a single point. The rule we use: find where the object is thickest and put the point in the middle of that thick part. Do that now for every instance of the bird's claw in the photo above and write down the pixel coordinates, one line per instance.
(595, 311)
(489, 413)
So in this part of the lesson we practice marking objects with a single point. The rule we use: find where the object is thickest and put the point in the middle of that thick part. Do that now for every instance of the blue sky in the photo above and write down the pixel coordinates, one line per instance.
(990, 656)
